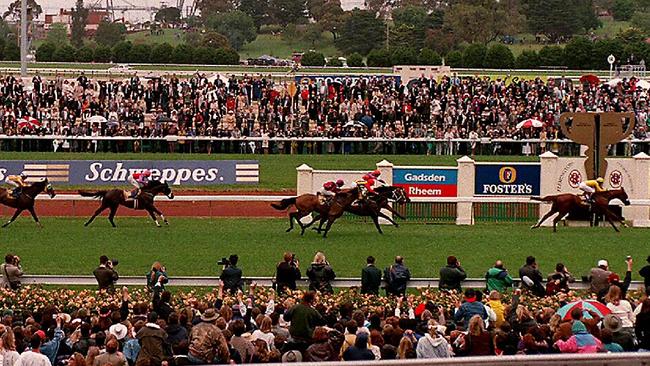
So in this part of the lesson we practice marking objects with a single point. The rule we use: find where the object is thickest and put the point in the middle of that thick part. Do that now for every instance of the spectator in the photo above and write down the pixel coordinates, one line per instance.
(157, 277)
(34, 356)
(287, 273)
(320, 275)
(469, 308)
(176, 333)
(599, 277)
(580, 342)
(434, 344)
(452, 275)
(11, 272)
(8, 346)
(360, 350)
(243, 346)
(207, 343)
(531, 277)
(624, 338)
(478, 340)
(105, 274)
(559, 280)
(231, 275)
(112, 356)
(153, 342)
(608, 343)
(162, 304)
(304, 318)
(265, 332)
(50, 348)
(497, 278)
(620, 307)
(642, 328)
(396, 277)
(325, 347)
(370, 277)
(645, 273)
(494, 302)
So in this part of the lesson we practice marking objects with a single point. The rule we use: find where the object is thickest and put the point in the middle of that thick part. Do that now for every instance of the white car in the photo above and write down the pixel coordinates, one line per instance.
(121, 68)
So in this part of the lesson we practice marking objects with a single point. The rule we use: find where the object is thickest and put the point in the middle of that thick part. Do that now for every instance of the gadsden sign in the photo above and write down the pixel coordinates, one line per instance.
(115, 172)
(426, 182)
(507, 179)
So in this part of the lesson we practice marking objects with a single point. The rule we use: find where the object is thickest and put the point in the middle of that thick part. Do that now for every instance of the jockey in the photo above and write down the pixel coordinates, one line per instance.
(17, 181)
(591, 186)
(138, 180)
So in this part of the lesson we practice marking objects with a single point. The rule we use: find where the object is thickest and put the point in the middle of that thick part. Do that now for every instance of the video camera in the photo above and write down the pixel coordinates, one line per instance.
(230, 261)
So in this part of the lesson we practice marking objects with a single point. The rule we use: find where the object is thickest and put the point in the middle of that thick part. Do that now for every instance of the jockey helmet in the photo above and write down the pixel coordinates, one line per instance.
(367, 177)
(600, 180)
(146, 173)
(329, 185)
(340, 183)
(376, 173)
(23, 176)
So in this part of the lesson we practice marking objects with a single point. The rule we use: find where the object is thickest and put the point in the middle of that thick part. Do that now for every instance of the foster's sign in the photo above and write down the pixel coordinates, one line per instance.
(502, 179)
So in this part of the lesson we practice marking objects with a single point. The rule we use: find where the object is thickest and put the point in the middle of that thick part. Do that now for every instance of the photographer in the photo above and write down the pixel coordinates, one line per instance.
(287, 273)
(105, 274)
(320, 275)
(157, 278)
(231, 275)
(11, 272)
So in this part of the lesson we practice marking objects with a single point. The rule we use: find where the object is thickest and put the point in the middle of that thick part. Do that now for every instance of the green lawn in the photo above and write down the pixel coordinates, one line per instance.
(171, 36)
(277, 172)
(274, 45)
(192, 246)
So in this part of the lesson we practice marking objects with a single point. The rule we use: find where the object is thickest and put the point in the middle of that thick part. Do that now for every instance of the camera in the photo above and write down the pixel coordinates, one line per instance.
(114, 262)
(223, 262)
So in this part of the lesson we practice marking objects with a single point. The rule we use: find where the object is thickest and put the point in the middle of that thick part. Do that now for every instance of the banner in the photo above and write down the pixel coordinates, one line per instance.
(115, 172)
(305, 79)
(503, 179)
(427, 182)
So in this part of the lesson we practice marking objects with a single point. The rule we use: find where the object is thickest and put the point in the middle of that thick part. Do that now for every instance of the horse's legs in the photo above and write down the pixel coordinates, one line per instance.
(394, 212)
(292, 215)
(544, 218)
(31, 211)
(319, 229)
(153, 216)
(111, 215)
(610, 217)
(305, 226)
(161, 214)
(557, 219)
(97, 212)
(330, 220)
(383, 215)
(376, 221)
(16, 214)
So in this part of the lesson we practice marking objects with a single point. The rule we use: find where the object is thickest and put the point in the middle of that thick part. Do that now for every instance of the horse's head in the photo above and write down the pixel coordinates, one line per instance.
(49, 189)
(400, 196)
(44, 186)
(156, 187)
(622, 195)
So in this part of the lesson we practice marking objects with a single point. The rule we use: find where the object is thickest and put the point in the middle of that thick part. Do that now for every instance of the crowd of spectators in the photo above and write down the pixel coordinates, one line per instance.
(452, 107)
(289, 325)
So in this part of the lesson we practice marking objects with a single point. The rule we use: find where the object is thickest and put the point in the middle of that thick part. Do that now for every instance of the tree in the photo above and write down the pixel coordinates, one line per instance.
(79, 20)
(57, 34)
(204, 55)
(290, 33)
(182, 54)
(236, 25)
(334, 62)
(103, 53)
(454, 59)
(109, 34)
(313, 33)
(312, 58)
(210, 8)
(332, 17)
(406, 35)
(499, 56)
(2, 47)
(641, 20)
(630, 35)
(483, 22)
(404, 55)
(355, 60)
(440, 40)
(192, 38)
(414, 18)
(140, 53)
(578, 53)
(429, 57)
(551, 56)
(85, 54)
(13, 11)
(169, 14)
(65, 53)
(45, 52)
(226, 56)
(162, 53)
(12, 51)
(284, 12)
(474, 55)
(633, 53)
(379, 58)
(361, 32)
(256, 9)
(122, 51)
(213, 39)
(602, 49)
(528, 59)
(558, 19)
(623, 10)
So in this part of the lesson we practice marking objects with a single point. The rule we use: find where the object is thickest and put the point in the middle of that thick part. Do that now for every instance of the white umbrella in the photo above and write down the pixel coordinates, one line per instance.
(530, 123)
(643, 84)
(614, 82)
(96, 119)
(354, 124)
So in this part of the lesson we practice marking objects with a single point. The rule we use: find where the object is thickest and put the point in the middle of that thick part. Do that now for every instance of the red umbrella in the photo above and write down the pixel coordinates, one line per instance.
(585, 305)
(590, 79)
(29, 122)
(530, 123)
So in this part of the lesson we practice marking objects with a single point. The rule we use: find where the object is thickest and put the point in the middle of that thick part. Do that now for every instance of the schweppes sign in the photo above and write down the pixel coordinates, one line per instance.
(507, 179)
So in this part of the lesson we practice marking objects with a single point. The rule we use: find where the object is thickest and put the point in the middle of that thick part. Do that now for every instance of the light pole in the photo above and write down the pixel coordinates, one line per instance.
(23, 38)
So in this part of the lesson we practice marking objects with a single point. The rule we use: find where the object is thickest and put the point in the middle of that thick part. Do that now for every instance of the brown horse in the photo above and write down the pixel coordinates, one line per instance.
(562, 204)
(340, 203)
(26, 199)
(305, 205)
(113, 198)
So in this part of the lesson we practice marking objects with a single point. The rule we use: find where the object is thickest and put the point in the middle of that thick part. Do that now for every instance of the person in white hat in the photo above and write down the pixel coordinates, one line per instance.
(599, 276)
(119, 330)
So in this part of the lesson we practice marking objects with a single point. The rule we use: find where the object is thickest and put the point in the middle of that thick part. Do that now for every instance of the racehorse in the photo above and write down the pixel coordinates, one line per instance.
(26, 199)
(305, 205)
(567, 202)
(340, 203)
(373, 205)
(113, 198)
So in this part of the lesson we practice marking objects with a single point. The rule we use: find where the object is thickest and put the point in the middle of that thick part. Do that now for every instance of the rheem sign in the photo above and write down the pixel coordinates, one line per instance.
(426, 182)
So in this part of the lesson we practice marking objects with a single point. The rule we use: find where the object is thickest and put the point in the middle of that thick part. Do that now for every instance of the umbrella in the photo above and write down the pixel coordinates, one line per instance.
(530, 123)
(28, 122)
(614, 82)
(355, 124)
(590, 79)
(586, 305)
(643, 84)
(97, 119)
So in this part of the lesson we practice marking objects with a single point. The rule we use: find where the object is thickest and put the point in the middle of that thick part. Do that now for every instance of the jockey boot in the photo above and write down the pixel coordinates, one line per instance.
(134, 193)
(16, 192)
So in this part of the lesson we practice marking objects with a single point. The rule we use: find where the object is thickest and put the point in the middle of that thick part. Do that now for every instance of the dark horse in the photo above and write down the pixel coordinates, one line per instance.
(562, 204)
(373, 205)
(113, 198)
(26, 199)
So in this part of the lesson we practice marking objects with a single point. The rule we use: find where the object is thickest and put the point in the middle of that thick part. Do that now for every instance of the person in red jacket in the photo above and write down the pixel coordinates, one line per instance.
(138, 180)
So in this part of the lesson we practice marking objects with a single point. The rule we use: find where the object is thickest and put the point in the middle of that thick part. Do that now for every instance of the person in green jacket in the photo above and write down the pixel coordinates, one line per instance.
(497, 278)
(370, 278)
(304, 319)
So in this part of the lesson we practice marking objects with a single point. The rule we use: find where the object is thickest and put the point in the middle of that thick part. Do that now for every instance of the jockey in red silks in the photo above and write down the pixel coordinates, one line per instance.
(139, 180)
(331, 188)
(368, 182)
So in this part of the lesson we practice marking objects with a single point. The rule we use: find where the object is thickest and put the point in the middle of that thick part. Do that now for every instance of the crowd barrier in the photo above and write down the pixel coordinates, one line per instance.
(473, 192)
(193, 281)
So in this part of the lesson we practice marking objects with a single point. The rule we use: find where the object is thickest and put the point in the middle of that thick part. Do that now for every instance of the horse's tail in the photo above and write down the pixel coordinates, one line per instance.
(284, 204)
(96, 194)
(543, 199)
